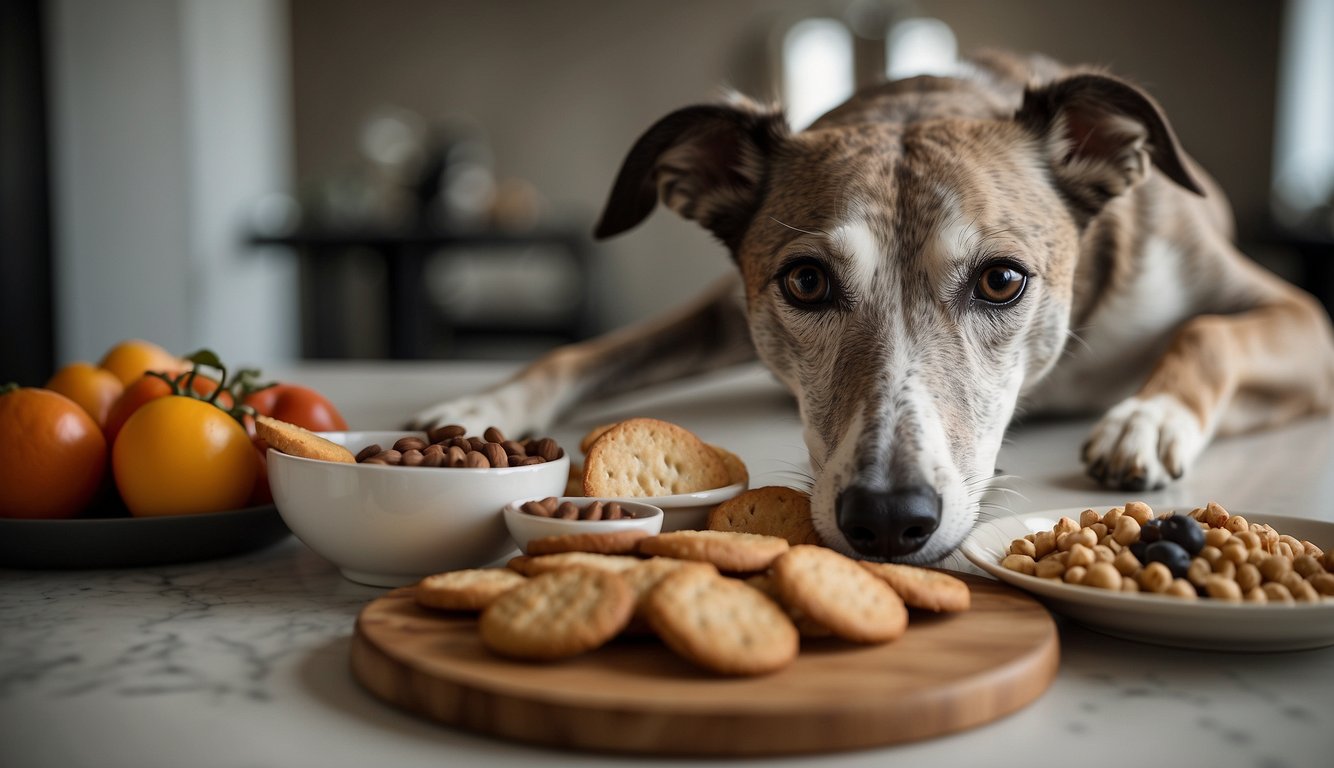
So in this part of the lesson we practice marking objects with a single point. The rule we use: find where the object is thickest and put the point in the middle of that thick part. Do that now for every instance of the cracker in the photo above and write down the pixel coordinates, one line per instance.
(586, 442)
(536, 566)
(645, 576)
(838, 593)
(648, 457)
(729, 551)
(609, 543)
(721, 624)
(772, 511)
(297, 441)
(467, 590)
(557, 615)
(924, 588)
(736, 468)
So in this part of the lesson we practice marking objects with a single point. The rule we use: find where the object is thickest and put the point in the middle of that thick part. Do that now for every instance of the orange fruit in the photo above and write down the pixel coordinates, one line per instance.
(94, 389)
(132, 358)
(52, 458)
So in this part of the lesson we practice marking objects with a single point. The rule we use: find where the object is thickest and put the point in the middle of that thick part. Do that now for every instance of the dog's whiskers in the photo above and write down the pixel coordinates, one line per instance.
(818, 232)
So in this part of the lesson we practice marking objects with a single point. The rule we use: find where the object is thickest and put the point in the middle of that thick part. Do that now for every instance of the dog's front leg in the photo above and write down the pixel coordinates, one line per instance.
(1223, 374)
(709, 333)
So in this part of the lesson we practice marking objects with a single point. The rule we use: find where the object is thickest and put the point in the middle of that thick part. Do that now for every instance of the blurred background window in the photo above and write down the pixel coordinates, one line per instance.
(920, 46)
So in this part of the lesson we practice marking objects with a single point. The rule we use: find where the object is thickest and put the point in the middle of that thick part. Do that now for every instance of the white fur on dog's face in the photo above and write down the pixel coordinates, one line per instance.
(905, 379)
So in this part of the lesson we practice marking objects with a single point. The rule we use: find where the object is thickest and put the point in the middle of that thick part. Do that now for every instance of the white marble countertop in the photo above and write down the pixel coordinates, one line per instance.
(244, 661)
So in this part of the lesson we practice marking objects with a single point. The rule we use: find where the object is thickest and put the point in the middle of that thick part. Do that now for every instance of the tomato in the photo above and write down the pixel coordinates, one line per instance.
(94, 389)
(52, 457)
(130, 359)
(261, 494)
(181, 456)
(151, 388)
(297, 405)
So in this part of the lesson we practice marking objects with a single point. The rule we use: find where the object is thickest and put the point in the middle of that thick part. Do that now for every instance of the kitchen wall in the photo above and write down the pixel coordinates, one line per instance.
(564, 88)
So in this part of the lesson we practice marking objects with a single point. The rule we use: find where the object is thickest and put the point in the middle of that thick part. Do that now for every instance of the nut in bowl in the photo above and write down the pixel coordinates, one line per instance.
(526, 526)
(391, 525)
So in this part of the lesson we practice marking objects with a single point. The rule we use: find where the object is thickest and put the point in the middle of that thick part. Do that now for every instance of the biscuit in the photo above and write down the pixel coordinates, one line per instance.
(609, 543)
(835, 591)
(297, 441)
(467, 590)
(648, 457)
(721, 624)
(736, 468)
(536, 566)
(587, 440)
(557, 615)
(648, 573)
(772, 511)
(729, 551)
(806, 626)
(924, 588)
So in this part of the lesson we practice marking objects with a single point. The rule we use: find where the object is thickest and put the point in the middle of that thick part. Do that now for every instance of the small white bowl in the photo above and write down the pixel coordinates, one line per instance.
(524, 527)
(390, 526)
(687, 511)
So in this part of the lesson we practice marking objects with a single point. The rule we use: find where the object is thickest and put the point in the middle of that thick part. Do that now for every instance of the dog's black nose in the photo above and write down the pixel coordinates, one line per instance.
(885, 524)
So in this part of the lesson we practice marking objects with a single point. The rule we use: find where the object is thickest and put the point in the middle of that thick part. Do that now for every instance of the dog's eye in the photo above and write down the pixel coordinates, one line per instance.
(806, 284)
(1000, 284)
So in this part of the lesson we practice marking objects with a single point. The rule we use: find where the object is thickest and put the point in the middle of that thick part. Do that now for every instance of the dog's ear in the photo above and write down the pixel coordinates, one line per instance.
(1100, 134)
(707, 163)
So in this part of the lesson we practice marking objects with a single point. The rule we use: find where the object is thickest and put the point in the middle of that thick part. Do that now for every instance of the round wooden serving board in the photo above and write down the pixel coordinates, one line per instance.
(947, 673)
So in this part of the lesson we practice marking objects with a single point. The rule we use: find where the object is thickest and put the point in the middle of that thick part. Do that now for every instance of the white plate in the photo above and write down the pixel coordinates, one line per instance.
(1203, 624)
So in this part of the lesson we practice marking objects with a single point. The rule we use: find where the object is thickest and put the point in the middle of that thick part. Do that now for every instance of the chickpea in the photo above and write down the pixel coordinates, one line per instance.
(1089, 517)
(1023, 547)
(1043, 543)
(1236, 552)
(1251, 540)
(1141, 512)
(1102, 576)
(1211, 554)
(1103, 554)
(1215, 516)
(1225, 568)
(1099, 530)
(1126, 563)
(1110, 543)
(1221, 588)
(1128, 584)
(1049, 569)
(1126, 531)
(1112, 516)
(1304, 593)
(1257, 556)
(1248, 577)
(1307, 566)
(1182, 589)
(1155, 577)
(1074, 575)
(1020, 563)
(1064, 525)
(1284, 549)
(1237, 524)
(1277, 593)
(1080, 555)
(1255, 595)
(1199, 570)
(1217, 537)
(1274, 568)
(1323, 583)
(1293, 581)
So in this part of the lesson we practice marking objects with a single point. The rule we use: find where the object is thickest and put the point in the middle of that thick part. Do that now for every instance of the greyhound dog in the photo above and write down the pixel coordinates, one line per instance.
(933, 252)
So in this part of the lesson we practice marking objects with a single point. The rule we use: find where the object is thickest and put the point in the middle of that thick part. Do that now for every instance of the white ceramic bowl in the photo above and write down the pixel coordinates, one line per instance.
(390, 526)
(687, 511)
(524, 527)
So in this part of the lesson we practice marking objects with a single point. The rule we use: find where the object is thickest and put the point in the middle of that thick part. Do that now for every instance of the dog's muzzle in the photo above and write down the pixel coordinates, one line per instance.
(888, 524)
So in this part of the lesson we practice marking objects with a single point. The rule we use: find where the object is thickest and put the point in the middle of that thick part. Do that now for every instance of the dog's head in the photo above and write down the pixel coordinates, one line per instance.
(905, 280)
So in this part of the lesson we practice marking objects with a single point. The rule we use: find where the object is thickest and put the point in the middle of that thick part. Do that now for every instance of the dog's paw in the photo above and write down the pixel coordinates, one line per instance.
(1142, 444)
(507, 408)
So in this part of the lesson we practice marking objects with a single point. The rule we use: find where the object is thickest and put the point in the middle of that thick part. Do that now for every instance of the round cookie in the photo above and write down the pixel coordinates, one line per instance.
(467, 590)
(647, 575)
(923, 588)
(649, 457)
(610, 543)
(721, 624)
(805, 626)
(535, 566)
(729, 551)
(773, 511)
(836, 592)
(297, 441)
(557, 615)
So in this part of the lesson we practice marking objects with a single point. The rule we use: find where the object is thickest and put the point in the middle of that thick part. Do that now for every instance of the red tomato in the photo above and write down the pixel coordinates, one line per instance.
(298, 405)
(148, 388)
